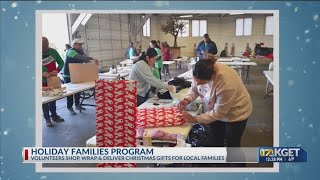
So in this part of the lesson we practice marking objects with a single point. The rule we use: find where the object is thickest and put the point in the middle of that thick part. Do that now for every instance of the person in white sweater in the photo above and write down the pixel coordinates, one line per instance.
(142, 73)
(227, 103)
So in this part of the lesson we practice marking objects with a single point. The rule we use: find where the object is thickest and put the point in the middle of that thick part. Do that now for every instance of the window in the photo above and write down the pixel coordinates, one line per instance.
(269, 25)
(243, 27)
(146, 28)
(199, 28)
(185, 30)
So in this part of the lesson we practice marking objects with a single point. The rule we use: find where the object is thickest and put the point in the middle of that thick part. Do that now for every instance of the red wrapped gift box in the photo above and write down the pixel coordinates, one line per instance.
(158, 117)
(116, 111)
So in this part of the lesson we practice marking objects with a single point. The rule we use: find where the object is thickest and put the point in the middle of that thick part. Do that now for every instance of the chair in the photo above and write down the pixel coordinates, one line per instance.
(271, 66)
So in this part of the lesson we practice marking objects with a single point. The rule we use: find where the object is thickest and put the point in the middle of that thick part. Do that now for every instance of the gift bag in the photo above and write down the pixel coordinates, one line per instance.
(54, 82)
(116, 103)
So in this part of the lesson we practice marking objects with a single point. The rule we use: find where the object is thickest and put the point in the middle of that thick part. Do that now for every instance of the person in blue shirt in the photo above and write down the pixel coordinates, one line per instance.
(131, 51)
(206, 46)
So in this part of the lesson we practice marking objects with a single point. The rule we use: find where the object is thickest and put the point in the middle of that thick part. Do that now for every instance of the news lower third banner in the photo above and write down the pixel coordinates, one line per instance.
(123, 155)
(162, 155)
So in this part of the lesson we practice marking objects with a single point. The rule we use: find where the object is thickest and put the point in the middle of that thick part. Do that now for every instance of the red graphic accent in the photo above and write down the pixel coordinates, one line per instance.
(116, 103)
(158, 117)
(26, 154)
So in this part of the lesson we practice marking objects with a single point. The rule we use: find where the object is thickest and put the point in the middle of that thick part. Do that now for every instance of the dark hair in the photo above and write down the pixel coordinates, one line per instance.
(151, 52)
(206, 35)
(68, 46)
(154, 43)
(204, 68)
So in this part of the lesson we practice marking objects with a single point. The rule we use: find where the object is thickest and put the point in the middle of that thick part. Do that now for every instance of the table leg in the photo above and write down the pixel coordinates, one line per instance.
(86, 97)
(248, 69)
(165, 73)
(82, 99)
(177, 67)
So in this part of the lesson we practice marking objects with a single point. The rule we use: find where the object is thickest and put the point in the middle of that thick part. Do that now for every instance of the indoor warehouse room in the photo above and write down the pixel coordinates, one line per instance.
(186, 80)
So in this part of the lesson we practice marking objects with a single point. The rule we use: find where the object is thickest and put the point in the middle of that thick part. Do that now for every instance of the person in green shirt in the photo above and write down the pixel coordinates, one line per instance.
(155, 72)
(75, 55)
(64, 54)
(50, 60)
(159, 63)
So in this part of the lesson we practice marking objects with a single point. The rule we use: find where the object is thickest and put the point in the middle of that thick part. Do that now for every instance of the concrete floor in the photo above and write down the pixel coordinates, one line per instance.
(77, 129)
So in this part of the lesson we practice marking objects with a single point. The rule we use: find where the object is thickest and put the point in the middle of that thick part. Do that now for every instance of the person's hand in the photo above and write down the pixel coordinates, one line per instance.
(46, 88)
(46, 74)
(182, 104)
(96, 61)
(187, 117)
(171, 88)
(54, 73)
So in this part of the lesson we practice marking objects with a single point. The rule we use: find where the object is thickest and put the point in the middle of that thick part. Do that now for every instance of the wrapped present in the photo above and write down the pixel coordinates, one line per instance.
(158, 117)
(116, 116)
(156, 138)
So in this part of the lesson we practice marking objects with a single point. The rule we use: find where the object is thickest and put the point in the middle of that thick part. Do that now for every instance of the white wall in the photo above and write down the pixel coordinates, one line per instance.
(221, 31)
(106, 37)
(54, 27)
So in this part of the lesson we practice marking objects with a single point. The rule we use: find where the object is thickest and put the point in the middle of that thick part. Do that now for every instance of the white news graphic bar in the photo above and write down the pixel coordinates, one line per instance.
(123, 155)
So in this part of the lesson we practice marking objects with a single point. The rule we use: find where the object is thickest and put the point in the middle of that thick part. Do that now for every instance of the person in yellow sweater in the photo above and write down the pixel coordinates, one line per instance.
(226, 101)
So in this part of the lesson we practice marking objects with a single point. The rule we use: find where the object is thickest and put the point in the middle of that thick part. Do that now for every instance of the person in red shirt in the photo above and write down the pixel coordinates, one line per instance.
(165, 49)
(50, 59)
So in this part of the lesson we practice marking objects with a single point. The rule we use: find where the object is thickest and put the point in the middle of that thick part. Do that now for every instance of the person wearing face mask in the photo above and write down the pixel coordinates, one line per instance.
(142, 73)
(227, 103)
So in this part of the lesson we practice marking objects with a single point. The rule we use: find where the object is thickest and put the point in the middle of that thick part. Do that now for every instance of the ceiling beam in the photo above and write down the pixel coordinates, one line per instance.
(140, 26)
(79, 20)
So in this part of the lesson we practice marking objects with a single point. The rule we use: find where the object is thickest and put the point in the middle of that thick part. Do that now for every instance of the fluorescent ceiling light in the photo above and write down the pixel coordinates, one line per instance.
(186, 16)
(85, 19)
(236, 13)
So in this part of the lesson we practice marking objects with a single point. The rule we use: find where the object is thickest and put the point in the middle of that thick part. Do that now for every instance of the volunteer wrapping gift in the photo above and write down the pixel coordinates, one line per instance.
(226, 101)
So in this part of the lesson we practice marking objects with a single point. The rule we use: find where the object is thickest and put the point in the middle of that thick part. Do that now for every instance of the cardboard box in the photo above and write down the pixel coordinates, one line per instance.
(175, 52)
(54, 82)
(83, 72)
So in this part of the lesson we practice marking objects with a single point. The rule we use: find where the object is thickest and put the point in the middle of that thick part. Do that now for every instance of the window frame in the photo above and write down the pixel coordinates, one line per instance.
(199, 29)
(147, 35)
(243, 26)
(265, 32)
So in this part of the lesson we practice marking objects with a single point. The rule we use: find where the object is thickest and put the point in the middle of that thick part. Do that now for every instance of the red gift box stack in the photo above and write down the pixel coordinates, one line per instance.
(116, 111)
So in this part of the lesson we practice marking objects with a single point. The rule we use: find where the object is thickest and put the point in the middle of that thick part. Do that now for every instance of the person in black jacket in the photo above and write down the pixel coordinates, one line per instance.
(206, 46)
(75, 55)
